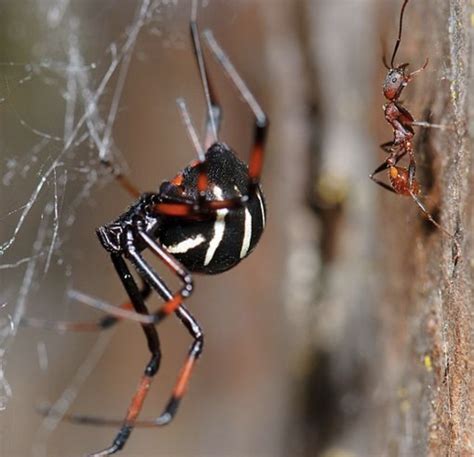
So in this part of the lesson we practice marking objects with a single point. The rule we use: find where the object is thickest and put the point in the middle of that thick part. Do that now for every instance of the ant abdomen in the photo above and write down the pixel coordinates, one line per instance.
(399, 178)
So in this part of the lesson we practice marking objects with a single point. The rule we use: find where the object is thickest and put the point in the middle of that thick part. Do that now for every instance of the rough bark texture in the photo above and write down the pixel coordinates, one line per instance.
(451, 325)
(384, 365)
(434, 346)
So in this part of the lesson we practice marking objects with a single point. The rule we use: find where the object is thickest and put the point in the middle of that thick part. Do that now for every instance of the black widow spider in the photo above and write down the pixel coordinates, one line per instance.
(206, 220)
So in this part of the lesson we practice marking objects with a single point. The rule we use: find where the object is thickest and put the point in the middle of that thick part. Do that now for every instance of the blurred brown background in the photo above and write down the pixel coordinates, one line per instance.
(346, 333)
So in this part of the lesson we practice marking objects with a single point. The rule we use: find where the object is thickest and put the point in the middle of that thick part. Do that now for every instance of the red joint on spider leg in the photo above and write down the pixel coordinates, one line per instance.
(172, 305)
(178, 179)
(202, 181)
(171, 209)
(183, 378)
(138, 399)
(256, 162)
(128, 186)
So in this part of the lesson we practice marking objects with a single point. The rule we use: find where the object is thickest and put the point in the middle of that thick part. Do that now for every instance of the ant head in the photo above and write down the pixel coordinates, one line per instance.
(395, 81)
(396, 78)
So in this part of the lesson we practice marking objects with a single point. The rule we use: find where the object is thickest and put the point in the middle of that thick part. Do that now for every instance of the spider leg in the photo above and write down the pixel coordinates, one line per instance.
(411, 168)
(213, 115)
(104, 323)
(213, 109)
(173, 304)
(113, 317)
(214, 112)
(178, 391)
(145, 270)
(261, 122)
(183, 378)
(127, 185)
(123, 181)
(200, 207)
(151, 368)
(190, 129)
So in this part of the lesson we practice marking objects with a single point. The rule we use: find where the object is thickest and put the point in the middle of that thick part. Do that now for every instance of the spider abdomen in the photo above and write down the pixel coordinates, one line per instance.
(216, 244)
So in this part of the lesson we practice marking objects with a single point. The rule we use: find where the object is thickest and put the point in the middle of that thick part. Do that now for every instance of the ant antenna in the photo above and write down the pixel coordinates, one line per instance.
(202, 67)
(397, 44)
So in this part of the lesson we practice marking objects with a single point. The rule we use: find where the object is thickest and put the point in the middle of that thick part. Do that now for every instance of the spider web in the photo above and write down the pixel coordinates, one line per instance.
(58, 118)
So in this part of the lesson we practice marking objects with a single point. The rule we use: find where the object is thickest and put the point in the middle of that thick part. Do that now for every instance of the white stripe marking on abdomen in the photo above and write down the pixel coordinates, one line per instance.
(262, 207)
(184, 246)
(247, 234)
(219, 227)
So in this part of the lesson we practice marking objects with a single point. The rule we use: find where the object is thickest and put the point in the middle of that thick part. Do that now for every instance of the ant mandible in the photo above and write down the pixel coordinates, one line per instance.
(402, 180)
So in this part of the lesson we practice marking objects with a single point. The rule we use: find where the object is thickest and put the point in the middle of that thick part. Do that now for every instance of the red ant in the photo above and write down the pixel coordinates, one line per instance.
(402, 179)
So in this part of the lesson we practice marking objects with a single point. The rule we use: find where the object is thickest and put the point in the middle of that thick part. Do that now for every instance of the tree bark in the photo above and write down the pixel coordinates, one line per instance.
(384, 365)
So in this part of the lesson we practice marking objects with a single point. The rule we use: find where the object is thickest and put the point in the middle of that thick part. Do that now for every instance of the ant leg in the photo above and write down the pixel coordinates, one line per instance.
(411, 168)
(379, 169)
(436, 224)
(411, 173)
(261, 122)
(394, 148)
(106, 322)
(431, 126)
(388, 146)
(393, 159)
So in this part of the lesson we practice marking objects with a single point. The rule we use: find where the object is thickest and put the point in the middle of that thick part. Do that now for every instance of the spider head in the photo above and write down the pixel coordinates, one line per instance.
(395, 81)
